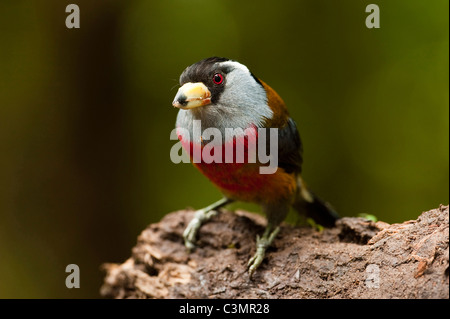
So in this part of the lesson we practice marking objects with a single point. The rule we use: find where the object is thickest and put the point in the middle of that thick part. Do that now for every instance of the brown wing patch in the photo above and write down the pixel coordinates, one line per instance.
(276, 104)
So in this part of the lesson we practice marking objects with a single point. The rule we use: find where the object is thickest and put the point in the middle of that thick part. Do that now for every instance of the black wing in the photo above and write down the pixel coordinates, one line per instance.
(290, 148)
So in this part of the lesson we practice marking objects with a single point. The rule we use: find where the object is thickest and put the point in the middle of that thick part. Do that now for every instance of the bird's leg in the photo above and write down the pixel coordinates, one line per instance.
(275, 213)
(201, 216)
(261, 245)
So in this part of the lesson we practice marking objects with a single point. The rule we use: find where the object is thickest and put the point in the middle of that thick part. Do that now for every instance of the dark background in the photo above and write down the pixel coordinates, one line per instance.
(85, 117)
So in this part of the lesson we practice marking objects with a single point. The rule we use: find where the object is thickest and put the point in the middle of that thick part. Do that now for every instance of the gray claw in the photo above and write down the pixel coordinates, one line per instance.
(261, 245)
(190, 233)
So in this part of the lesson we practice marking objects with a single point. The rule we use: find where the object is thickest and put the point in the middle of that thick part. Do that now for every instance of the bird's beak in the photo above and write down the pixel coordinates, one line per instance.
(192, 95)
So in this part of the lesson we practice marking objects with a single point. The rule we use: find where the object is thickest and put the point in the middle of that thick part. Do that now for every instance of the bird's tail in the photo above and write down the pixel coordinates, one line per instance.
(309, 204)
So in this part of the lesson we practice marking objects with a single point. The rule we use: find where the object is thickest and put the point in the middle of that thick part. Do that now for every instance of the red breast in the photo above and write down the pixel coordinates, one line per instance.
(242, 181)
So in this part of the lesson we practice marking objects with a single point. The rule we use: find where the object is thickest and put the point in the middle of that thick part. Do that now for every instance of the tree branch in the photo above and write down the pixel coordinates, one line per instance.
(356, 259)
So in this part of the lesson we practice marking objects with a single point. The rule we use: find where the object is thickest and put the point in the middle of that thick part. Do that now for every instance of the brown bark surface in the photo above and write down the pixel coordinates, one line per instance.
(356, 259)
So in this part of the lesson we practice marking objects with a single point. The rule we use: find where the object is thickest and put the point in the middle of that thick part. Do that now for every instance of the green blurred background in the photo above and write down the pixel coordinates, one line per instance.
(85, 117)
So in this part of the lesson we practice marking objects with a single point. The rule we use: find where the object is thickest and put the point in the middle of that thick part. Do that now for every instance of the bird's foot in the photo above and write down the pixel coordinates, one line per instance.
(261, 245)
(190, 233)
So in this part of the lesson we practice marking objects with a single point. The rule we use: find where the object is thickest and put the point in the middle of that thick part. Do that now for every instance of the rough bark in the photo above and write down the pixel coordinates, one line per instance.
(356, 259)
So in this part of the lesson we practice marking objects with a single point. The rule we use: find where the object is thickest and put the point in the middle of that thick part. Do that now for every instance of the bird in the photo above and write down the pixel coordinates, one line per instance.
(224, 94)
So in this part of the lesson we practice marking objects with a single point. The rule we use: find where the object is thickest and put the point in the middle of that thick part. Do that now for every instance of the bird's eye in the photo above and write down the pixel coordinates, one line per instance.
(218, 78)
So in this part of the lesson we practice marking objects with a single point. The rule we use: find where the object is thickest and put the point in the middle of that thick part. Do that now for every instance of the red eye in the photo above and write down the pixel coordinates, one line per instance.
(218, 78)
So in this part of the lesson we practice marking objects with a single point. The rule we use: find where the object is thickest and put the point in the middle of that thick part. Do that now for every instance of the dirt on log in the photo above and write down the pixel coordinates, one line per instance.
(356, 259)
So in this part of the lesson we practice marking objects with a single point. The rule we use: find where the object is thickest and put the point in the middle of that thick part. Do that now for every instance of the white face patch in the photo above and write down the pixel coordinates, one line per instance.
(242, 104)
(236, 65)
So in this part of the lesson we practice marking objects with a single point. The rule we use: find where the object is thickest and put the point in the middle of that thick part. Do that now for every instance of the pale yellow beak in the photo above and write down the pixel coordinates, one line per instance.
(192, 95)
